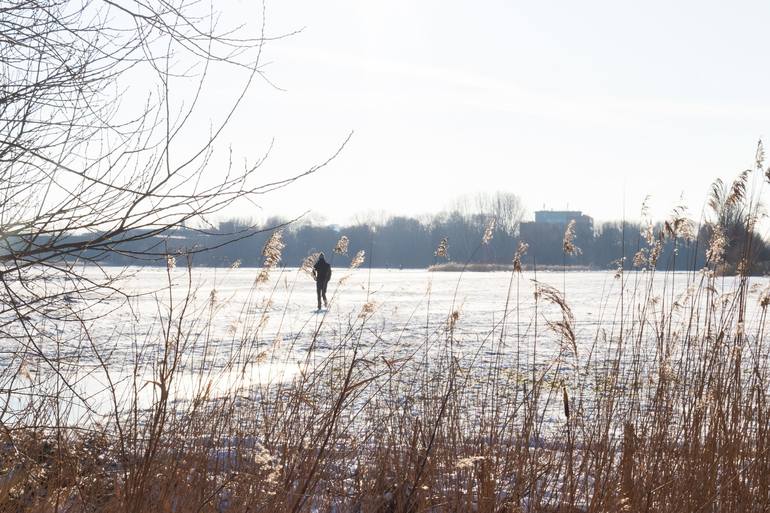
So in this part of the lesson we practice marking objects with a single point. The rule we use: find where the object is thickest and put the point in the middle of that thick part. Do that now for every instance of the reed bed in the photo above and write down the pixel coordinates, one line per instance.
(663, 408)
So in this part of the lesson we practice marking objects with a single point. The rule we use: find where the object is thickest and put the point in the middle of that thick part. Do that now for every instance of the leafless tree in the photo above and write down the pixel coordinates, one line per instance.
(103, 142)
(505, 207)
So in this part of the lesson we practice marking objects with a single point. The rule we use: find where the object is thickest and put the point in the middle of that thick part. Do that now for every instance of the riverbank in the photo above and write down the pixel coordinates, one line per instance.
(452, 267)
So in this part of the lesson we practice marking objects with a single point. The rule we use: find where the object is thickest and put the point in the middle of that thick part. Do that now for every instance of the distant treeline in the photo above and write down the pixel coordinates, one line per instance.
(405, 242)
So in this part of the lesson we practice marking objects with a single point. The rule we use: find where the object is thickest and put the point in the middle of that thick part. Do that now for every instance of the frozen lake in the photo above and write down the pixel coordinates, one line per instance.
(401, 303)
(225, 329)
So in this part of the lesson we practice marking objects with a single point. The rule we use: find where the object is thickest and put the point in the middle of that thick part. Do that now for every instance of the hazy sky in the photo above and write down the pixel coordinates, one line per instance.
(586, 105)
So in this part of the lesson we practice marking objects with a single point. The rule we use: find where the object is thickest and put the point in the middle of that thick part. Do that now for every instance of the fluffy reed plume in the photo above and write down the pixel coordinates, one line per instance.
(170, 262)
(679, 225)
(489, 231)
(647, 230)
(738, 190)
(568, 244)
(648, 257)
(764, 297)
(358, 259)
(619, 266)
(236, 264)
(687, 230)
(366, 310)
(469, 461)
(272, 255)
(341, 248)
(520, 252)
(743, 267)
(452, 320)
(441, 250)
(715, 200)
(717, 244)
(565, 327)
(640, 259)
(309, 262)
(656, 250)
(760, 159)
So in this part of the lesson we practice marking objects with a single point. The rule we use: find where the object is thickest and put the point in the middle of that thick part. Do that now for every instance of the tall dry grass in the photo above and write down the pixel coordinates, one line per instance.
(664, 407)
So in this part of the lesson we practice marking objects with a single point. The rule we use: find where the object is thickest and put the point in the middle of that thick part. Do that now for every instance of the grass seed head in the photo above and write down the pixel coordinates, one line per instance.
(640, 258)
(717, 244)
(358, 259)
(366, 310)
(272, 255)
(743, 267)
(647, 230)
(489, 231)
(468, 462)
(441, 250)
(764, 298)
(738, 190)
(341, 248)
(453, 318)
(309, 262)
(568, 243)
(520, 252)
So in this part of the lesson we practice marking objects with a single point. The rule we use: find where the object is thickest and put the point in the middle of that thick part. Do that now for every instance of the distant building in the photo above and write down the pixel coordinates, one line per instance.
(546, 233)
(563, 217)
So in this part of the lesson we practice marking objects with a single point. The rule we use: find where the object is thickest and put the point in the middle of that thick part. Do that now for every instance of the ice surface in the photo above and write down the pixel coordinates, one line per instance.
(232, 330)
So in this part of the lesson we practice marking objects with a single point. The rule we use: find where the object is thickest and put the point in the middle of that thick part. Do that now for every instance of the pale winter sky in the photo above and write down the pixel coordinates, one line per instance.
(587, 105)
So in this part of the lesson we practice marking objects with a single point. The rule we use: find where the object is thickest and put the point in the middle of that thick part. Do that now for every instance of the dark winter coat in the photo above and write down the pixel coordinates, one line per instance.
(322, 271)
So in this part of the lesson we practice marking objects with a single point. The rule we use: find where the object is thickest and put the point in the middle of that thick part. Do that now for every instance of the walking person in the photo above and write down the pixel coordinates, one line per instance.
(322, 272)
